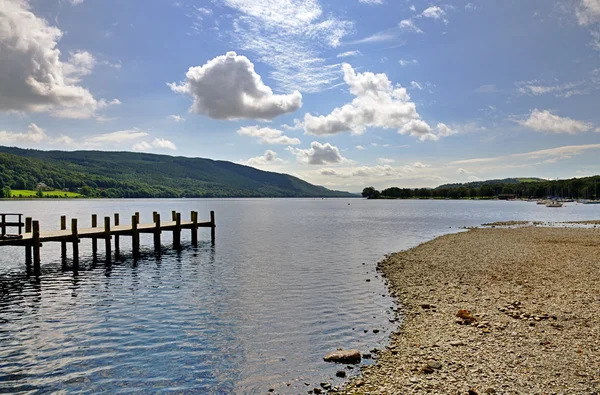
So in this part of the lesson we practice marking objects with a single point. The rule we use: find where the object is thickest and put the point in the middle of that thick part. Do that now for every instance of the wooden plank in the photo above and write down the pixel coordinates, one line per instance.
(94, 239)
(157, 231)
(116, 235)
(75, 239)
(177, 232)
(28, 227)
(107, 238)
(194, 228)
(135, 236)
(212, 227)
(63, 244)
(37, 267)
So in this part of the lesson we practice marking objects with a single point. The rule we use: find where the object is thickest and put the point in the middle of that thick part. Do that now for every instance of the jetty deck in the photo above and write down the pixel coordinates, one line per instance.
(32, 239)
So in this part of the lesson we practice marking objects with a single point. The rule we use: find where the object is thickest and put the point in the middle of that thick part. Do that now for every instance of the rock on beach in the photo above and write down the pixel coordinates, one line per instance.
(343, 356)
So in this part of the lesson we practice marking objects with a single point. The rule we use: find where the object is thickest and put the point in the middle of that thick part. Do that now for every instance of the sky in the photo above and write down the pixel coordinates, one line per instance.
(341, 93)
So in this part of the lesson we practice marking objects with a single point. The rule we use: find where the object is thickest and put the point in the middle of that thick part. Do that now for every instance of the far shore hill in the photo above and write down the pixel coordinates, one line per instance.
(26, 173)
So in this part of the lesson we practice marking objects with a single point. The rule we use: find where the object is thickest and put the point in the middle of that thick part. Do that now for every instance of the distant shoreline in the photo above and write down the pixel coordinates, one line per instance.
(532, 295)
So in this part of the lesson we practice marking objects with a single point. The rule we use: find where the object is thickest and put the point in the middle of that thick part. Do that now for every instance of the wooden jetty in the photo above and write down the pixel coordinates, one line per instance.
(33, 238)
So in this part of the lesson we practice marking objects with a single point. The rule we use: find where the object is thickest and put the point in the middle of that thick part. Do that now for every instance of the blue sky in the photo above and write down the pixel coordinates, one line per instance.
(342, 93)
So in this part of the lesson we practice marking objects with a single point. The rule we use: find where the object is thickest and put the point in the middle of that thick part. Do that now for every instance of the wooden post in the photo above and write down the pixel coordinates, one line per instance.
(94, 240)
(135, 236)
(173, 215)
(116, 236)
(37, 268)
(3, 225)
(107, 238)
(194, 228)
(75, 239)
(20, 223)
(177, 232)
(212, 228)
(154, 216)
(28, 248)
(63, 244)
(157, 232)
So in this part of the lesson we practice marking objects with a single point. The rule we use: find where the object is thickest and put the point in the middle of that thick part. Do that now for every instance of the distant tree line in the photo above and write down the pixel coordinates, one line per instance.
(575, 188)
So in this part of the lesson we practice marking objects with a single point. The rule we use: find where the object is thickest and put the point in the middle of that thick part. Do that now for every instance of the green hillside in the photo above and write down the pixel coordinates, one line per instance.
(139, 175)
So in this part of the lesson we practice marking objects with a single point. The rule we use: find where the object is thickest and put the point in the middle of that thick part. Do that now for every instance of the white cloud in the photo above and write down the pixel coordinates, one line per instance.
(375, 38)
(76, 2)
(34, 134)
(371, 2)
(349, 54)
(405, 62)
(385, 161)
(79, 65)
(413, 8)
(434, 12)
(164, 144)
(318, 154)
(418, 128)
(567, 151)
(588, 12)
(32, 76)
(416, 85)
(460, 170)
(444, 130)
(377, 103)
(408, 25)
(419, 165)
(268, 135)
(289, 36)
(121, 136)
(142, 146)
(297, 125)
(268, 158)
(360, 147)
(545, 121)
(177, 118)
(158, 143)
(227, 87)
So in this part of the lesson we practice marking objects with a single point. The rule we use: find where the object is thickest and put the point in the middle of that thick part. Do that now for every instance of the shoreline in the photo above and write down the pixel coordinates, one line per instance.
(532, 325)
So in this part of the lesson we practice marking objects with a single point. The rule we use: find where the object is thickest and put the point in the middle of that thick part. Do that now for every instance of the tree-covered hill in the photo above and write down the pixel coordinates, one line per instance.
(140, 175)
(575, 188)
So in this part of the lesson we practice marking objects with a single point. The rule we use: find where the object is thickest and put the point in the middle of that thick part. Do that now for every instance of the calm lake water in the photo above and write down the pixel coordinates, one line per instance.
(285, 283)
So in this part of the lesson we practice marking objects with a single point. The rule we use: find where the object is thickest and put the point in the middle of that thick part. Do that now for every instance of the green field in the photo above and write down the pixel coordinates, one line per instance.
(16, 193)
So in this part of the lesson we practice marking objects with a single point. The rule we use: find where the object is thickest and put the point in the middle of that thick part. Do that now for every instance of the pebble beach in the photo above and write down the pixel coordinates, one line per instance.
(493, 311)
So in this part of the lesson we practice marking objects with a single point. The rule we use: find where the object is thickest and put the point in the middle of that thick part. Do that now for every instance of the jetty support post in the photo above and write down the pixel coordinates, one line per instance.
(117, 236)
(107, 238)
(194, 215)
(173, 215)
(212, 227)
(177, 232)
(28, 247)
(94, 240)
(75, 240)
(156, 232)
(63, 244)
(37, 267)
(135, 236)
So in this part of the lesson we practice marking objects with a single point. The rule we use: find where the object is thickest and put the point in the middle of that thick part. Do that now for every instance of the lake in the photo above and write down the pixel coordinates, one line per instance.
(285, 283)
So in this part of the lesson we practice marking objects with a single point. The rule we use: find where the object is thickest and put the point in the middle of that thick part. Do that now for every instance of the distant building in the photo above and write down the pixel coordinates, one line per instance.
(41, 185)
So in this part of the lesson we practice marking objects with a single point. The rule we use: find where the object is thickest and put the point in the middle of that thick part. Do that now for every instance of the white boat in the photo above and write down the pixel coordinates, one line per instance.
(542, 202)
(554, 204)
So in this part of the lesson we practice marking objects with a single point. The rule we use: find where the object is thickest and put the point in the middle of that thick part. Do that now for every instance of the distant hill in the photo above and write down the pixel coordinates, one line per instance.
(478, 184)
(140, 175)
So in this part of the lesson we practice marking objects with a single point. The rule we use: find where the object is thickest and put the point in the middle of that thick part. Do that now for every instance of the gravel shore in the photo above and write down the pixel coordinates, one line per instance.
(531, 319)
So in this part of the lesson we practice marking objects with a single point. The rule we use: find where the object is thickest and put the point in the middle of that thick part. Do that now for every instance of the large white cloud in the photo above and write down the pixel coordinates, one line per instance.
(227, 87)
(588, 12)
(268, 135)
(32, 75)
(545, 121)
(34, 134)
(318, 154)
(377, 104)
